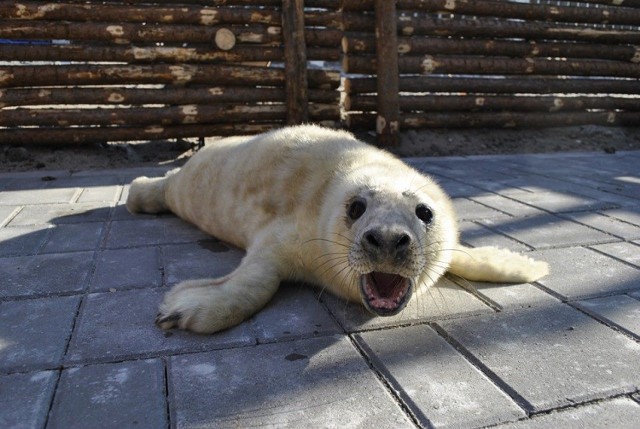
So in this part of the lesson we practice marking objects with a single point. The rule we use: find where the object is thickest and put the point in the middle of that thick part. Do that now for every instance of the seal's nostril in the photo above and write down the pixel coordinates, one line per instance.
(371, 239)
(403, 242)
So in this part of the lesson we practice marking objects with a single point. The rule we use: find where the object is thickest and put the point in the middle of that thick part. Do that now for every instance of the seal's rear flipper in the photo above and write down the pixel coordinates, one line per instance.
(147, 195)
(490, 264)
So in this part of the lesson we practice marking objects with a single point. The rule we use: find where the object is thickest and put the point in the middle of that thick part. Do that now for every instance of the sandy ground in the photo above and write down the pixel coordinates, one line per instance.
(413, 143)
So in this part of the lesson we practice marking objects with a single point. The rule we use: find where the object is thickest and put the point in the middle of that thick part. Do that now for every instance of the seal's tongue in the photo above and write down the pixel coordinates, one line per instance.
(384, 293)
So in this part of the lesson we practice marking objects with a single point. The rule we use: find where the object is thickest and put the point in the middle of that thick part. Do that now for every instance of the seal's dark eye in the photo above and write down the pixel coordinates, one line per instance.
(356, 209)
(424, 213)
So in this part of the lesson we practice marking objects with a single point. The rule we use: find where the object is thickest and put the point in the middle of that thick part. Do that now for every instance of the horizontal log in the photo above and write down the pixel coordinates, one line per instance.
(441, 64)
(150, 54)
(508, 85)
(123, 33)
(325, 4)
(490, 47)
(504, 9)
(442, 103)
(176, 115)
(159, 96)
(154, 14)
(69, 75)
(501, 120)
(425, 24)
(79, 136)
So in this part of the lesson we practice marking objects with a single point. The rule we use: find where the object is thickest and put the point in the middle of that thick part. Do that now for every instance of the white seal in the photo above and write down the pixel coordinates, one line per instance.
(314, 205)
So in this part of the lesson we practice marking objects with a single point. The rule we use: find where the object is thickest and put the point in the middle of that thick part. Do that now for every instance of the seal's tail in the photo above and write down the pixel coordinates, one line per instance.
(147, 195)
(490, 264)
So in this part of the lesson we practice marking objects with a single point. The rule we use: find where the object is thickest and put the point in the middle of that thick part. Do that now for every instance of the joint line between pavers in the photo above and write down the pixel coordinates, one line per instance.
(604, 321)
(502, 385)
(11, 216)
(608, 255)
(165, 367)
(390, 384)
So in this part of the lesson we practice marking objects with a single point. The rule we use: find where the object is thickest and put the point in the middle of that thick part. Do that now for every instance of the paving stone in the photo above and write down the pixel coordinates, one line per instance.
(207, 258)
(475, 235)
(44, 274)
(619, 310)
(470, 210)
(607, 224)
(25, 399)
(22, 240)
(294, 312)
(511, 296)
(572, 275)
(547, 231)
(507, 205)
(100, 193)
(445, 300)
(619, 413)
(550, 356)
(61, 214)
(438, 385)
(559, 202)
(34, 333)
(628, 252)
(628, 214)
(126, 394)
(37, 196)
(152, 231)
(7, 213)
(456, 189)
(120, 325)
(126, 269)
(74, 237)
(320, 382)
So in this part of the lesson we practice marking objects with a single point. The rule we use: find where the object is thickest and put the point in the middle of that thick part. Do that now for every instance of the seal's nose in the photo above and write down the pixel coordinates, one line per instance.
(386, 245)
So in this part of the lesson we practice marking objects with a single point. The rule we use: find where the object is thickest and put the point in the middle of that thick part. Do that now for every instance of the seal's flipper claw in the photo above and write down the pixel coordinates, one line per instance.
(168, 322)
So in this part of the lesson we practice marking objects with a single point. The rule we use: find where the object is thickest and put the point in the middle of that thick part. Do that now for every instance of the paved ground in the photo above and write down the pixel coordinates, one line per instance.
(80, 281)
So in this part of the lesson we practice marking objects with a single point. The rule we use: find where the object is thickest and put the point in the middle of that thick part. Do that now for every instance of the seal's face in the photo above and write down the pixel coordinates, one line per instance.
(390, 248)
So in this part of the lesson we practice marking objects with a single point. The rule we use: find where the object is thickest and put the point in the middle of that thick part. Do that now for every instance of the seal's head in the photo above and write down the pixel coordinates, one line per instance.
(398, 236)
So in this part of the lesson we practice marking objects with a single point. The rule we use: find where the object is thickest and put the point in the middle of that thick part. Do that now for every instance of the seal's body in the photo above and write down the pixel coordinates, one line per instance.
(319, 206)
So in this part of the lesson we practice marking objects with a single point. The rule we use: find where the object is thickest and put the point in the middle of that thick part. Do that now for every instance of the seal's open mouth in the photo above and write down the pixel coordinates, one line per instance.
(385, 294)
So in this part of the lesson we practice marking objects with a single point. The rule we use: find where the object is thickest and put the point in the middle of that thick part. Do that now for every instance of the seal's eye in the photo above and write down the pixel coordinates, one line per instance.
(424, 213)
(356, 209)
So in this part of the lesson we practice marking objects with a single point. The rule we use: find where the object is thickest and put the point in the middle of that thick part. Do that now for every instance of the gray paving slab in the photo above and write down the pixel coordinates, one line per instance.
(120, 395)
(38, 196)
(126, 269)
(606, 224)
(470, 210)
(510, 296)
(620, 311)
(453, 394)
(294, 312)
(152, 231)
(74, 237)
(628, 252)
(25, 399)
(320, 382)
(109, 193)
(627, 214)
(456, 189)
(7, 213)
(507, 205)
(23, 240)
(476, 235)
(120, 325)
(550, 357)
(45, 274)
(547, 231)
(61, 214)
(34, 333)
(572, 275)
(207, 258)
(619, 413)
(444, 300)
(560, 202)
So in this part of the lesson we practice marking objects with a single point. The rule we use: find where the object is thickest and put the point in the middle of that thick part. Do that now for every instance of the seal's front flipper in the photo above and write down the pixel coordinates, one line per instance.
(490, 264)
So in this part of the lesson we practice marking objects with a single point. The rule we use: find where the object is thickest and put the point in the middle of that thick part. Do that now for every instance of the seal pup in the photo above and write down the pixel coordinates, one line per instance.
(315, 205)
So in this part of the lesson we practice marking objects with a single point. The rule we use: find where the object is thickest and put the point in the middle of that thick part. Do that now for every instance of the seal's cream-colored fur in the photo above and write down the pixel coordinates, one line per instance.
(285, 197)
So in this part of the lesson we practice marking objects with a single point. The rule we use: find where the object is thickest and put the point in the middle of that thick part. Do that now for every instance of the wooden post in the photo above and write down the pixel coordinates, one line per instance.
(387, 72)
(295, 61)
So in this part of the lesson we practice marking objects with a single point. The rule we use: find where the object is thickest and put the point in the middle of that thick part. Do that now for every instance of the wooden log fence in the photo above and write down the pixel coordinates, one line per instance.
(84, 71)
